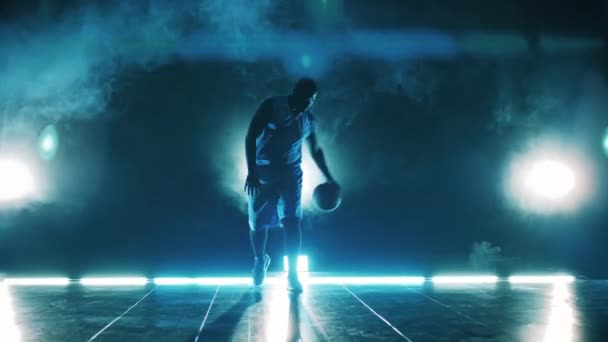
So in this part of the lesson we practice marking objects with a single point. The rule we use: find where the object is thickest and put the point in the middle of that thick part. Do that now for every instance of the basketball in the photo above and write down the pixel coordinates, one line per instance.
(327, 196)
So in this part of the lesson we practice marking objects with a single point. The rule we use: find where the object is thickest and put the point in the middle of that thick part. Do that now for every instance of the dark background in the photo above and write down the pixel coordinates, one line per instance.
(141, 180)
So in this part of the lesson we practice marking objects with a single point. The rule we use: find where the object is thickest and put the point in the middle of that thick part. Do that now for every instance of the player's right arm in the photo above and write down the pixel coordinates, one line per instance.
(260, 120)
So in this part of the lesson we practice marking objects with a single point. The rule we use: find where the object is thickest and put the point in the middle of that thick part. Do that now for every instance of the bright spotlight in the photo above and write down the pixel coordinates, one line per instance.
(16, 181)
(550, 179)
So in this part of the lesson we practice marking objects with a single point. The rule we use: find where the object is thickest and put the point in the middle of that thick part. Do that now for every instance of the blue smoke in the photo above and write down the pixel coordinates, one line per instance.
(66, 68)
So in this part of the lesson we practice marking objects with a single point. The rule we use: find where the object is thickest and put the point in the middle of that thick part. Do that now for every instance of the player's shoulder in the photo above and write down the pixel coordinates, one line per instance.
(274, 98)
(268, 101)
(268, 105)
(273, 102)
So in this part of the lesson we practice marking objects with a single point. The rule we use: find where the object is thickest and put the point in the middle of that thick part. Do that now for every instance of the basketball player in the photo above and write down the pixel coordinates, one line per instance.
(273, 149)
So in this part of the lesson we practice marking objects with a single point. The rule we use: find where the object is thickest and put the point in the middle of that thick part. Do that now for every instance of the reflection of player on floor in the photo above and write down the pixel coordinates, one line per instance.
(274, 183)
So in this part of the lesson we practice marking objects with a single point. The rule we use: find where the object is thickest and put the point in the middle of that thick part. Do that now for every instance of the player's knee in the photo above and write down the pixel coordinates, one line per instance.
(255, 226)
(259, 224)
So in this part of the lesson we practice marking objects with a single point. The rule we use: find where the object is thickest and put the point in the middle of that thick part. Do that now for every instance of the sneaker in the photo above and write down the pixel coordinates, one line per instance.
(293, 284)
(259, 270)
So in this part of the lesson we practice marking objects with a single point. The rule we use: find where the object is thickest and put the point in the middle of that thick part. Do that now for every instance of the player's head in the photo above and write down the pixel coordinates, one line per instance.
(304, 94)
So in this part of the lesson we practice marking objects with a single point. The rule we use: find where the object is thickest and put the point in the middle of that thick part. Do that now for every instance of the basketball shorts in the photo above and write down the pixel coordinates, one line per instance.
(280, 197)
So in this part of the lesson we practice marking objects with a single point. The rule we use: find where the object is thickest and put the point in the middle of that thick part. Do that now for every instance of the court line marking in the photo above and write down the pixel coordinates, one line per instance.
(315, 320)
(119, 317)
(207, 314)
(454, 310)
(312, 318)
(378, 315)
(507, 333)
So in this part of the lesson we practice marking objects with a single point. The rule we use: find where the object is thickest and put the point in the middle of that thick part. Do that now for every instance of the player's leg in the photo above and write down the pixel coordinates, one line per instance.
(262, 215)
(290, 214)
(258, 237)
(292, 236)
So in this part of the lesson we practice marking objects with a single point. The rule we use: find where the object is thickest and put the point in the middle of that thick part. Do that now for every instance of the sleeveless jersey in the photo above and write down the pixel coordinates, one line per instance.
(280, 144)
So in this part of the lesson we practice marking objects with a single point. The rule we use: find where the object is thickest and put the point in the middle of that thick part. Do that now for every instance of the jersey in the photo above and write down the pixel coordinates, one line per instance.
(279, 146)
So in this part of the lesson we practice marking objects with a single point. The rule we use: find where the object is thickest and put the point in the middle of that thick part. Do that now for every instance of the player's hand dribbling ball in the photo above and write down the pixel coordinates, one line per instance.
(327, 196)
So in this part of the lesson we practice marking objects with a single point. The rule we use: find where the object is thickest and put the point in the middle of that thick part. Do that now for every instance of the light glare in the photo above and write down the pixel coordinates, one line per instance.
(605, 142)
(126, 281)
(366, 280)
(540, 279)
(475, 279)
(560, 325)
(16, 180)
(58, 281)
(550, 179)
(9, 329)
(553, 176)
(226, 281)
(304, 278)
(175, 281)
(47, 143)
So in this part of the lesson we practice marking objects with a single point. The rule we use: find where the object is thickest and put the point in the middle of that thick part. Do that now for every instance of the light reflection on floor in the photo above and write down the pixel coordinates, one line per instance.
(325, 311)
(9, 331)
(278, 316)
(560, 325)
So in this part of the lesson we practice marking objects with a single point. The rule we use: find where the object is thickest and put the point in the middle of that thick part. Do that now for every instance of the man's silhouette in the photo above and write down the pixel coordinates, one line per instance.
(274, 182)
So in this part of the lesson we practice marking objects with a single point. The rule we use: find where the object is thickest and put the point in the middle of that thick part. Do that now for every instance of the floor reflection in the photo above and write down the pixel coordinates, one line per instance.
(277, 317)
(293, 328)
(8, 327)
(559, 312)
(560, 325)
(276, 326)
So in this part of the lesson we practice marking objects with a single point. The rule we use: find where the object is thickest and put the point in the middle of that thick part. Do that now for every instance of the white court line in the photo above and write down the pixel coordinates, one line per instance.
(454, 310)
(119, 317)
(378, 315)
(506, 332)
(206, 314)
(315, 320)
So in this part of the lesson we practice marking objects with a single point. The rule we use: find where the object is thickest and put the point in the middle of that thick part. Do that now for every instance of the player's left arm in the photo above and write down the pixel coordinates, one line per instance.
(317, 155)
